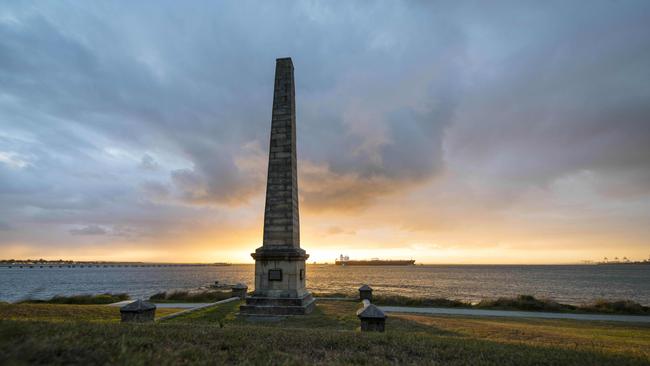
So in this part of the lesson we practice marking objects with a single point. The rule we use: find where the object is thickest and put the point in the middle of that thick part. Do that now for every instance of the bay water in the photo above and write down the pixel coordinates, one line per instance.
(572, 284)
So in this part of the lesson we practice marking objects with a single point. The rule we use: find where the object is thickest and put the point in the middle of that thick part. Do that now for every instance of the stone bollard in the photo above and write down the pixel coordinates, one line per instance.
(365, 293)
(372, 318)
(240, 290)
(138, 311)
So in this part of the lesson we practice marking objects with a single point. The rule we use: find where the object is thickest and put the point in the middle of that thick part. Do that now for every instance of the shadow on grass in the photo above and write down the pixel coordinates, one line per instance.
(339, 315)
(401, 324)
(326, 315)
(215, 315)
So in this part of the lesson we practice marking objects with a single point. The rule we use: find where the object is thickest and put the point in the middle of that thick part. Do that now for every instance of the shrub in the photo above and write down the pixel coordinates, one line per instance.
(615, 307)
(524, 302)
(106, 298)
(398, 300)
(187, 296)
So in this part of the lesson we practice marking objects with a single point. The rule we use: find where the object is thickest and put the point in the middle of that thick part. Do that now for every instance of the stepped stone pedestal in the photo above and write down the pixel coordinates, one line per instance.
(280, 270)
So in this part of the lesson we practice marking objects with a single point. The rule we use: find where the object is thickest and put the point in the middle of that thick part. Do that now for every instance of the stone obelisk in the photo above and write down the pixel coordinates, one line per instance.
(280, 262)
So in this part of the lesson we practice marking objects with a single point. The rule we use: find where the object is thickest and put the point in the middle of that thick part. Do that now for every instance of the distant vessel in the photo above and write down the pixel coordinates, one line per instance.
(346, 261)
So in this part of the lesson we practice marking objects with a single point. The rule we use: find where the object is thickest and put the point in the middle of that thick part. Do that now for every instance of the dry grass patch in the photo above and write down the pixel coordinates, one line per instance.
(608, 337)
(59, 313)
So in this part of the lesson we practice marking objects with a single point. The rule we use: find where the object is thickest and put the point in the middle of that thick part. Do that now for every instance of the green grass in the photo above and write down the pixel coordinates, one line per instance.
(188, 296)
(596, 338)
(64, 312)
(106, 298)
(58, 335)
(166, 344)
(217, 315)
(327, 315)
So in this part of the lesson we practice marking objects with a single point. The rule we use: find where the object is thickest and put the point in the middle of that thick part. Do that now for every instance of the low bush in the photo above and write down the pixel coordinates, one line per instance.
(189, 296)
(615, 307)
(521, 302)
(524, 302)
(398, 300)
(106, 298)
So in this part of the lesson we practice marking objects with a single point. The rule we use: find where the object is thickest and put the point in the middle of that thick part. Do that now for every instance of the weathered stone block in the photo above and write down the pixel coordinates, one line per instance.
(372, 318)
(240, 290)
(365, 293)
(138, 311)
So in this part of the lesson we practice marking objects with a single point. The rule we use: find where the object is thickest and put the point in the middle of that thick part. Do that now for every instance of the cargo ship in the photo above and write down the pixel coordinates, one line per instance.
(346, 261)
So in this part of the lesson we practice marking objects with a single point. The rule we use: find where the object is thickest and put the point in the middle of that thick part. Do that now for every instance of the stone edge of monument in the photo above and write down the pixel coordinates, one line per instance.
(284, 293)
(274, 310)
(263, 253)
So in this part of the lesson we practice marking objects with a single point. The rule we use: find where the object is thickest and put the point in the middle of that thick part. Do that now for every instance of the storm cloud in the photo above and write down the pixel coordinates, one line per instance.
(133, 122)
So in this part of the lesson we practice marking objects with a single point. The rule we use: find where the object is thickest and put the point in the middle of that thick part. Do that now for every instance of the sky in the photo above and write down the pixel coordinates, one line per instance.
(442, 131)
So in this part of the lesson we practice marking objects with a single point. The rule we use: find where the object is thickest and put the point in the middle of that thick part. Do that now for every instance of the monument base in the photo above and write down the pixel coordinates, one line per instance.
(258, 305)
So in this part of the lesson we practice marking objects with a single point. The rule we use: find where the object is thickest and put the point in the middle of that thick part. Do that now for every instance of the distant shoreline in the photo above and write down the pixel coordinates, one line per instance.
(67, 263)
(98, 264)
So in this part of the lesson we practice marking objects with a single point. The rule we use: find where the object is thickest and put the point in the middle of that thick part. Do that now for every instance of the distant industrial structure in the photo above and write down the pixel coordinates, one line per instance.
(623, 260)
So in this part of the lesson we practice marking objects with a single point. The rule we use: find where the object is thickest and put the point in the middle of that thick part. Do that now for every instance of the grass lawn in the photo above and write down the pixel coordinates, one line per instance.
(329, 335)
(63, 313)
(101, 299)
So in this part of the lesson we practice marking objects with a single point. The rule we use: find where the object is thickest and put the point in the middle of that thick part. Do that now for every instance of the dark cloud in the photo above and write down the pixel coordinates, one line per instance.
(573, 99)
(155, 120)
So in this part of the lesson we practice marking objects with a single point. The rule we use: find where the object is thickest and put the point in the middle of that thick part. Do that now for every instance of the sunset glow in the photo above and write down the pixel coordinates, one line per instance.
(425, 131)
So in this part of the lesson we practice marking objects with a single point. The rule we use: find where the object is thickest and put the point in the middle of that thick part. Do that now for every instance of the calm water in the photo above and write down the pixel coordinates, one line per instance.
(569, 284)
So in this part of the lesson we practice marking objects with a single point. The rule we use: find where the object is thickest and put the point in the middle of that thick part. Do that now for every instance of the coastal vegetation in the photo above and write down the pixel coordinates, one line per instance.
(520, 303)
(190, 296)
(398, 300)
(616, 307)
(530, 303)
(106, 298)
(59, 334)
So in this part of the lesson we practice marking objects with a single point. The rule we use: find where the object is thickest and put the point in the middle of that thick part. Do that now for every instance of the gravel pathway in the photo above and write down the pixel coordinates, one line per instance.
(517, 314)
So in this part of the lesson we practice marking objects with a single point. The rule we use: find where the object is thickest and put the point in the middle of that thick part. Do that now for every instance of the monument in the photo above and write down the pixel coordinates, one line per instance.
(280, 262)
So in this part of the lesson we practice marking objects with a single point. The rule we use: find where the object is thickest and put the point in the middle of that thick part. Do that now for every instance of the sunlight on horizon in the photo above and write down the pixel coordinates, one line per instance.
(240, 253)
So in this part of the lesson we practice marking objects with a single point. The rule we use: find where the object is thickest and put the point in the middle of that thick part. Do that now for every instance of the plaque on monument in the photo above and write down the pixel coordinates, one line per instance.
(275, 275)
